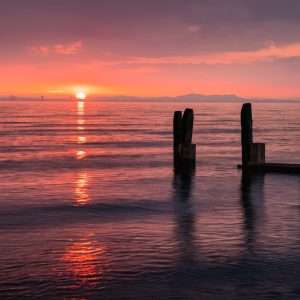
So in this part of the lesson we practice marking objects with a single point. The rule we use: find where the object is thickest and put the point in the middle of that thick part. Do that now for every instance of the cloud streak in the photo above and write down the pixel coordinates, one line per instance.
(39, 50)
(68, 49)
(63, 49)
(269, 53)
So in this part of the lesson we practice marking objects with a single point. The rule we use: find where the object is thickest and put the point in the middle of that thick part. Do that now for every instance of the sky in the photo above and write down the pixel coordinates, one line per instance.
(250, 48)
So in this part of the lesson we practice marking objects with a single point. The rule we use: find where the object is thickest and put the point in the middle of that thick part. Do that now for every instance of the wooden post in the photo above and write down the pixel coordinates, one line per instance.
(187, 126)
(177, 136)
(247, 132)
(253, 154)
(189, 151)
(177, 129)
(184, 150)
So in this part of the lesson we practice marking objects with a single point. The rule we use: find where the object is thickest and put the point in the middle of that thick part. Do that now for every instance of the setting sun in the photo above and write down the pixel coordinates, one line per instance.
(80, 96)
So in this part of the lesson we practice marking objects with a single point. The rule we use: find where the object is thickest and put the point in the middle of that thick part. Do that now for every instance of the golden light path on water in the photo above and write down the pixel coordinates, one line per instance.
(83, 258)
(81, 193)
(85, 261)
(81, 190)
(80, 256)
(81, 139)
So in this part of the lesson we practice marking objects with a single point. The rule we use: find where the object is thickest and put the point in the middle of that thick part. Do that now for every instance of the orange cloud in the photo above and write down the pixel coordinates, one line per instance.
(64, 49)
(269, 53)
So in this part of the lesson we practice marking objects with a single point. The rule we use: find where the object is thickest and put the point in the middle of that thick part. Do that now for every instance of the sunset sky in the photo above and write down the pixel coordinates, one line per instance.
(56, 48)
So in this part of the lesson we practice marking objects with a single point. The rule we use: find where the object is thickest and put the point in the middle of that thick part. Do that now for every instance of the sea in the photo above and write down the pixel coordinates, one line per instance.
(92, 208)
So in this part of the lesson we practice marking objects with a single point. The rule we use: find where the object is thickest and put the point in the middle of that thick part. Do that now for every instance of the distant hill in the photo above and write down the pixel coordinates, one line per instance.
(204, 98)
(181, 98)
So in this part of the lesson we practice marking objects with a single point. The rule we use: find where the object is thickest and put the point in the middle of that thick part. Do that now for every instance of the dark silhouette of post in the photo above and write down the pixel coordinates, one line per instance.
(247, 133)
(177, 134)
(187, 126)
(184, 150)
(253, 154)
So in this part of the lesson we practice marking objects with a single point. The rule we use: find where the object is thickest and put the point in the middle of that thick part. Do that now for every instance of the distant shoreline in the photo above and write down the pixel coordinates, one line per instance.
(156, 101)
(194, 98)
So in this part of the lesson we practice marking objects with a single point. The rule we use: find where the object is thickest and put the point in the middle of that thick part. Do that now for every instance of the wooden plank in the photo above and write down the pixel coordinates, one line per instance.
(273, 167)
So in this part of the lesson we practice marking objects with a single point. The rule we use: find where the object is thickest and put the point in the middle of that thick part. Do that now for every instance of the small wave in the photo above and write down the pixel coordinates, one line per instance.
(58, 215)
(90, 162)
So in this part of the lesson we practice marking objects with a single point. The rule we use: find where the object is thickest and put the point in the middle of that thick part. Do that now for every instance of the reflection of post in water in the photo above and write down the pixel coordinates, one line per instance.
(81, 138)
(252, 200)
(182, 187)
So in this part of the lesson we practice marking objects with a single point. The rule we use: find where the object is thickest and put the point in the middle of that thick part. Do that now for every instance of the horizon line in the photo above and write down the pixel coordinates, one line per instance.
(41, 97)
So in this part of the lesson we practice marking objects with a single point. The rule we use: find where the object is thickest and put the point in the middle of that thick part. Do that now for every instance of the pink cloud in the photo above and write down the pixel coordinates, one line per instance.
(39, 50)
(69, 49)
(269, 53)
(64, 49)
(194, 28)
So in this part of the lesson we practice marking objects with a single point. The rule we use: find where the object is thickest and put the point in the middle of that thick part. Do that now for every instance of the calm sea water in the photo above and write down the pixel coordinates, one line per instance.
(90, 206)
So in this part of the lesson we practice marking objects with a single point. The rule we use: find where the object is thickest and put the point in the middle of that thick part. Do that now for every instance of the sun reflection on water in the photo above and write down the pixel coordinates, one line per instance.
(81, 190)
(80, 154)
(80, 115)
(85, 261)
(80, 108)
(81, 138)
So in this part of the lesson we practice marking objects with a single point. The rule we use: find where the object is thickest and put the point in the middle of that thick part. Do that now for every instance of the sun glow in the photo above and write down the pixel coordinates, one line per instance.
(80, 96)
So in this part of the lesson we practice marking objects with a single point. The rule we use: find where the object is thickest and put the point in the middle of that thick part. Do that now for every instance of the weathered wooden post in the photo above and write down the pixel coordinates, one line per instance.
(247, 133)
(177, 135)
(187, 126)
(184, 150)
(254, 154)
(188, 149)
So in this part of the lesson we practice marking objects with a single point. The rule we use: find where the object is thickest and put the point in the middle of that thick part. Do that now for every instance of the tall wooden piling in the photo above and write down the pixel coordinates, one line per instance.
(184, 150)
(253, 154)
(246, 133)
(187, 126)
(177, 129)
(177, 136)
